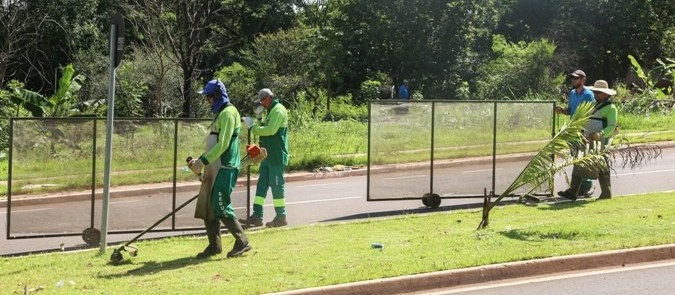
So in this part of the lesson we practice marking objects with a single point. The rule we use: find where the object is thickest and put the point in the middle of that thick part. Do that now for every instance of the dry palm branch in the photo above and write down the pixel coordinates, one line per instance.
(543, 166)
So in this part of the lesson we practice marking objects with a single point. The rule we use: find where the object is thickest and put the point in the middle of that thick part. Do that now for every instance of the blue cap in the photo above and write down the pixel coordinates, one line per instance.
(212, 87)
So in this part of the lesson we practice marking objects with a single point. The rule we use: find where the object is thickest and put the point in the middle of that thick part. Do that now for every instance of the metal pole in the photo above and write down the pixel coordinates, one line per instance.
(108, 139)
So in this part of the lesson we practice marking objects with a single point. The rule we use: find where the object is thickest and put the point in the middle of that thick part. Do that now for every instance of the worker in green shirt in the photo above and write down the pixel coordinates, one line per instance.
(273, 133)
(220, 165)
(601, 127)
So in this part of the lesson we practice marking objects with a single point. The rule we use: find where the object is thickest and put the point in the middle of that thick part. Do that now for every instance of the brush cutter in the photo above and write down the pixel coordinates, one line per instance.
(117, 257)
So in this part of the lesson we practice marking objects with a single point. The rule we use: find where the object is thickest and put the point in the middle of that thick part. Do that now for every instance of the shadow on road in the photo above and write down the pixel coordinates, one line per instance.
(414, 211)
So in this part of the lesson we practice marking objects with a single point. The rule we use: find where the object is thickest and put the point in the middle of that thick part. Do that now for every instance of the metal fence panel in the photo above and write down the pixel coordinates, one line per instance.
(455, 149)
(398, 133)
(521, 126)
(62, 161)
(462, 130)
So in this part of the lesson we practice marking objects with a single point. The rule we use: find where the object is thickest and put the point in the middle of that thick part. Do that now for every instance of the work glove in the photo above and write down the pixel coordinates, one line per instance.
(248, 121)
(196, 165)
(259, 111)
(260, 157)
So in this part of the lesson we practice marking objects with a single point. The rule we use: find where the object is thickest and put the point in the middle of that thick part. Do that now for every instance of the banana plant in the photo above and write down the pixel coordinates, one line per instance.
(667, 68)
(543, 167)
(61, 104)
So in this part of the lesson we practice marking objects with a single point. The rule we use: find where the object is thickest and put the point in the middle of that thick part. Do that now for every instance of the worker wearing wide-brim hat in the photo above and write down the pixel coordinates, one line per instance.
(601, 127)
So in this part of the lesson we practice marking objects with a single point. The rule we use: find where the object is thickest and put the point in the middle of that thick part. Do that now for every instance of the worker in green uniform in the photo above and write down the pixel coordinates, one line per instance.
(220, 165)
(601, 127)
(273, 134)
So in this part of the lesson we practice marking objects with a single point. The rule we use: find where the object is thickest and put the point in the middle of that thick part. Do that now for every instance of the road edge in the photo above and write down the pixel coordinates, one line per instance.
(495, 272)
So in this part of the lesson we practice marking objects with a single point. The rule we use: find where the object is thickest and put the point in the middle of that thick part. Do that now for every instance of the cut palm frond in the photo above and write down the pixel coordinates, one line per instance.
(543, 167)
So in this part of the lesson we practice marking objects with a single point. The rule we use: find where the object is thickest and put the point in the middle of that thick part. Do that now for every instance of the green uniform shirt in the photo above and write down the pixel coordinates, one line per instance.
(227, 125)
(603, 120)
(274, 134)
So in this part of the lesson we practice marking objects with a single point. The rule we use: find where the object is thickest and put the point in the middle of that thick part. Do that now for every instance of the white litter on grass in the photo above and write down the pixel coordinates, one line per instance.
(62, 282)
(30, 186)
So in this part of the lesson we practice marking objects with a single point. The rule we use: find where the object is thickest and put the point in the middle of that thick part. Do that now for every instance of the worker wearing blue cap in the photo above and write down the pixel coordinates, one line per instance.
(220, 165)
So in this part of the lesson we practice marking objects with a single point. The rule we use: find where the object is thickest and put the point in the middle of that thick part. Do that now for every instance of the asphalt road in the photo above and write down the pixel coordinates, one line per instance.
(647, 279)
(317, 200)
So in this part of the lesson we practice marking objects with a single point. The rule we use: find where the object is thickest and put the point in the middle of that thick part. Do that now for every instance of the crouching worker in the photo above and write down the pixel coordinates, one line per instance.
(599, 130)
(220, 164)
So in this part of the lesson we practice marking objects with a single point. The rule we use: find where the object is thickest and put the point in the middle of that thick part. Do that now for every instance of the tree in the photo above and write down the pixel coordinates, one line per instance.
(200, 36)
(288, 62)
(435, 44)
(517, 70)
(54, 32)
(593, 35)
(15, 36)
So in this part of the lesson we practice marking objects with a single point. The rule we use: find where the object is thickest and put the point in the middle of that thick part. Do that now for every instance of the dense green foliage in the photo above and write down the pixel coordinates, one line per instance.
(316, 53)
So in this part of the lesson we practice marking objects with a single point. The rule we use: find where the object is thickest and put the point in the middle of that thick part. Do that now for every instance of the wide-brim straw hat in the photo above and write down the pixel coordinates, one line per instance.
(602, 86)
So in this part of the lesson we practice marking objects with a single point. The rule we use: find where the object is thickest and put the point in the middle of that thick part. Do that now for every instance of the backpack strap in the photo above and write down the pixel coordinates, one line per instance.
(599, 107)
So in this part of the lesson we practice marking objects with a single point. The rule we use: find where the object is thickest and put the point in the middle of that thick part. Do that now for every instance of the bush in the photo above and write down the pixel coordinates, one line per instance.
(370, 90)
(240, 83)
(342, 109)
(517, 69)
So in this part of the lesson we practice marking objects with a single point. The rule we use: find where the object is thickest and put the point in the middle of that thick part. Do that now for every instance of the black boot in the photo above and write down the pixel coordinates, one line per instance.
(605, 186)
(572, 192)
(213, 234)
(241, 244)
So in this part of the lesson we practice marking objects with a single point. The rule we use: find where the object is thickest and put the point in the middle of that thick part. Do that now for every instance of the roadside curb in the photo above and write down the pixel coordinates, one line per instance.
(495, 272)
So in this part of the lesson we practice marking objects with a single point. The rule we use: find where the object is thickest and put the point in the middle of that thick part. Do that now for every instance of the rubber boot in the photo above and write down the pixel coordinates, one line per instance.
(585, 188)
(572, 192)
(605, 186)
(213, 234)
(277, 222)
(241, 244)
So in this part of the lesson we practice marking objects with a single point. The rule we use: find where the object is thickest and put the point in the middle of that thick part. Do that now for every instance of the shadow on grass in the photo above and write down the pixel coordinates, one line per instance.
(556, 206)
(365, 215)
(526, 235)
(153, 267)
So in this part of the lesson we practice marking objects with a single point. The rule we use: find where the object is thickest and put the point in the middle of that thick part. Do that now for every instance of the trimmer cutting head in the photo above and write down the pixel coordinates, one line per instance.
(117, 258)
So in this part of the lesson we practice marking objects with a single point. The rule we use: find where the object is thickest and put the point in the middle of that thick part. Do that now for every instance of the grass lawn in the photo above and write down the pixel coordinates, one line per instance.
(333, 253)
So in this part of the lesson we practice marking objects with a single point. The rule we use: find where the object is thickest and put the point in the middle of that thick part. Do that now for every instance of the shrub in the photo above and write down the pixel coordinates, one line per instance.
(370, 90)
(342, 109)
(517, 69)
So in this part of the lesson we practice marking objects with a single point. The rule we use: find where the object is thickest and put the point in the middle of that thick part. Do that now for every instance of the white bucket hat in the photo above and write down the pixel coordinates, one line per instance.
(602, 86)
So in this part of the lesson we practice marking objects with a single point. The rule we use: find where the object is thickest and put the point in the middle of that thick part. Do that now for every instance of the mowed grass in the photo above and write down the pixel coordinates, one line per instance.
(333, 253)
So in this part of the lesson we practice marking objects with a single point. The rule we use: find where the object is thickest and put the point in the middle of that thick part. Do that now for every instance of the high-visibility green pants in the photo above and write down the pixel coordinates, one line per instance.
(271, 177)
(221, 192)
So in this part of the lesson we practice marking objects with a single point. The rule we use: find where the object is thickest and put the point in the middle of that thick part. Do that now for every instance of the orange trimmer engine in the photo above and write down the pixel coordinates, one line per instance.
(254, 155)
(252, 150)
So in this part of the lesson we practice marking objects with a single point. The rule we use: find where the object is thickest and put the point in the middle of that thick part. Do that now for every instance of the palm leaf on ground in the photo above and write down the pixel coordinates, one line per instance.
(543, 166)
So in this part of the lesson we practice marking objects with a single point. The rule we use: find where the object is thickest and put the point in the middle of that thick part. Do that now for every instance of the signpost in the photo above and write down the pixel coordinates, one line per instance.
(116, 51)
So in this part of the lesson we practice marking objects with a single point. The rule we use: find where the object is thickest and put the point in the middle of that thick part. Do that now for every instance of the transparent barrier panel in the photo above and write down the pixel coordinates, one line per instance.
(399, 133)
(63, 159)
(477, 146)
(461, 130)
(50, 157)
(521, 128)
